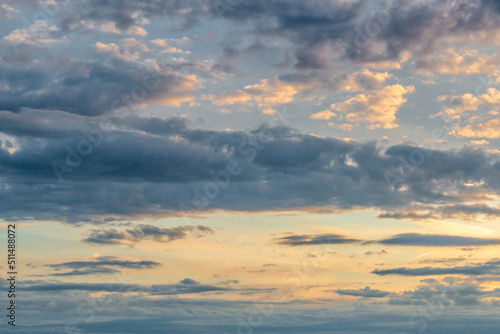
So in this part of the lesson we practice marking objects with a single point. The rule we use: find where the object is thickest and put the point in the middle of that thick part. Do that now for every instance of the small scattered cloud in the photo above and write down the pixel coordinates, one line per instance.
(265, 95)
(39, 33)
(363, 80)
(7, 12)
(464, 61)
(478, 269)
(145, 232)
(377, 110)
(186, 286)
(325, 239)
(367, 292)
(99, 266)
(479, 142)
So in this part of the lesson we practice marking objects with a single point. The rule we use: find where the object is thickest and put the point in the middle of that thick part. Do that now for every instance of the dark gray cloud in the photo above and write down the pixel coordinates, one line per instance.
(85, 87)
(444, 293)
(432, 240)
(145, 232)
(186, 286)
(360, 30)
(367, 292)
(151, 166)
(88, 271)
(382, 252)
(128, 13)
(356, 30)
(101, 265)
(325, 239)
(478, 269)
(380, 31)
(407, 239)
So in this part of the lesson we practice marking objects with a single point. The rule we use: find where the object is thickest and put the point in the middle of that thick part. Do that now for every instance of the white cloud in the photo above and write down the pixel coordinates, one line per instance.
(129, 49)
(136, 30)
(7, 12)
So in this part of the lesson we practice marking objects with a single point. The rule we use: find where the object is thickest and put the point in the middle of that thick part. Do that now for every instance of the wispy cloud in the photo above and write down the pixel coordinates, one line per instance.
(436, 240)
(478, 269)
(145, 232)
(325, 239)
(101, 265)
(367, 292)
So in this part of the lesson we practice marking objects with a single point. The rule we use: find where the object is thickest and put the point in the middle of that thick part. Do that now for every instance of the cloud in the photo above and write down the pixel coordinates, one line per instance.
(325, 239)
(101, 265)
(488, 129)
(266, 95)
(38, 33)
(276, 91)
(186, 286)
(187, 314)
(325, 115)
(382, 252)
(376, 111)
(145, 232)
(92, 88)
(7, 12)
(88, 271)
(367, 292)
(460, 211)
(228, 282)
(129, 49)
(152, 166)
(136, 30)
(466, 61)
(447, 260)
(367, 34)
(472, 116)
(433, 240)
(172, 45)
(445, 293)
(379, 34)
(407, 239)
(469, 102)
(487, 268)
(131, 14)
(364, 80)
(109, 27)
(479, 142)
(183, 287)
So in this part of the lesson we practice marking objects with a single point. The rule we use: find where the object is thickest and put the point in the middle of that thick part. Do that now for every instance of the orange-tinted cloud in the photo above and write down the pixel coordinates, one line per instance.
(466, 61)
(473, 116)
(266, 95)
(377, 110)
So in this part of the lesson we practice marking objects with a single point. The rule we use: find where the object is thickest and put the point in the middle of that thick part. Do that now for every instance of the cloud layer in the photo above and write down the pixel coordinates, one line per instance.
(148, 165)
(145, 232)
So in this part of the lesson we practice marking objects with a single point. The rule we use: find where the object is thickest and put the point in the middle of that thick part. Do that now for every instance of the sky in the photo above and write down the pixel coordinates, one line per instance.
(251, 166)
